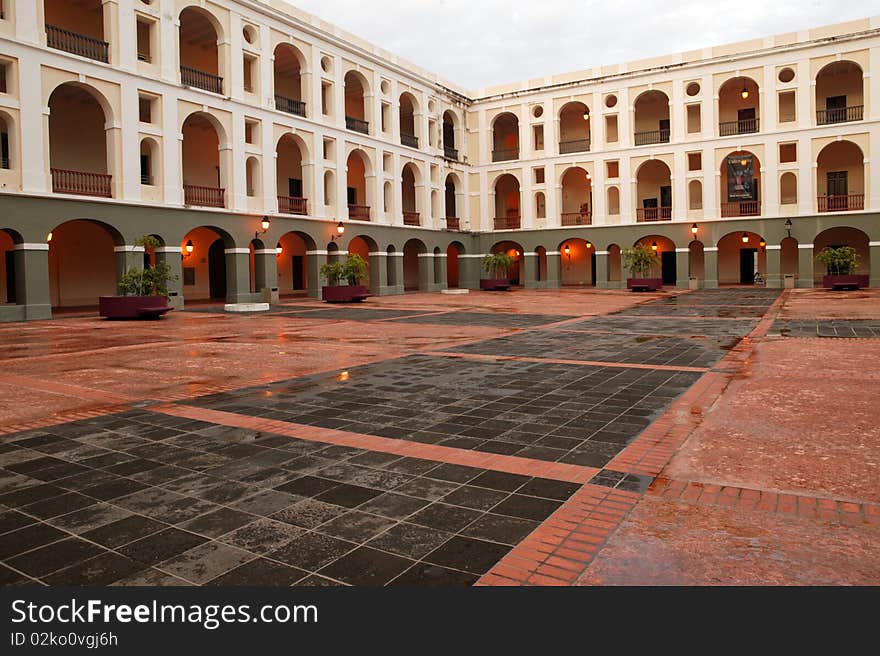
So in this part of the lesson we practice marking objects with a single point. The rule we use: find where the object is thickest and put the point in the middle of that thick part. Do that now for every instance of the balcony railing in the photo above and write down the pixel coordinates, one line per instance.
(359, 212)
(450, 153)
(293, 205)
(505, 155)
(507, 223)
(410, 140)
(649, 214)
(193, 77)
(4, 163)
(357, 124)
(577, 146)
(290, 106)
(81, 183)
(204, 196)
(840, 115)
(577, 218)
(453, 223)
(411, 218)
(741, 208)
(747, 126)
(145, 57)
(848, 203)
(146, 180)
(652, 137)
(58, 38)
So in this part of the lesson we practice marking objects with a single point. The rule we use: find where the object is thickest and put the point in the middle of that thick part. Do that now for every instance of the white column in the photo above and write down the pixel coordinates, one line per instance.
(34, 152)
(169, 28)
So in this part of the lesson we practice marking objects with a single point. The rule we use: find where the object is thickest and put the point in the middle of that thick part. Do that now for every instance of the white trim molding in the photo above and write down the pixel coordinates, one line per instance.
(30, 247)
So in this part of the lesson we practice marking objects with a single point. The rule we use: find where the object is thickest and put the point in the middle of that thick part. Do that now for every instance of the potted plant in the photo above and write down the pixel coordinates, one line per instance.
(143, 293)
(640, 260)
(352, 271)
(497, 266)
(841, 265)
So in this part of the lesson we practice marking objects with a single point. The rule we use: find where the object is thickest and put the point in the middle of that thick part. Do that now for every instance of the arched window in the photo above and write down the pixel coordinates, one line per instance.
(788, 192)
(695, 195)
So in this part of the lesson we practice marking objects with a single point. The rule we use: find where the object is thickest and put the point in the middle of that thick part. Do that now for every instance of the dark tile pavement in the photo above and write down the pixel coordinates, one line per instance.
(847, 328)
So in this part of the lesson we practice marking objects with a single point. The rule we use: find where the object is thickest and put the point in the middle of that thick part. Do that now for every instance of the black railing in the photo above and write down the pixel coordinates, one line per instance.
(505, 155)
(652, 137)
(357, 124)
(450, 153)
(746, 126)
(58, 38)
(410, 140)
(840, 115)
(146, 180)
(4, 163)
(649, 214)
(290, 106)
(577, 146)
(193, 77)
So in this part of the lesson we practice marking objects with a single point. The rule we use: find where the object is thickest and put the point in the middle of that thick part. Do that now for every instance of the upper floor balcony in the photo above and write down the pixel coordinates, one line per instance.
(743, 126)
(839, 115)
(411, 219)
(290, 106)
(453, 223)
(841, 203)
(450, 153)
(576, 146)
(81, 183)
(192, 77)
(293, 205)
(505, 155)
(505, 138)
(357, 125)
(651, 214)
(59, 38)
(410, 140)
(651, 137)
(510, 222)
(359, 212)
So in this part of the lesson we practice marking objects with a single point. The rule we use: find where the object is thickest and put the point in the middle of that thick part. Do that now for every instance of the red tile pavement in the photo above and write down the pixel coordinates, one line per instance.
(497, 462)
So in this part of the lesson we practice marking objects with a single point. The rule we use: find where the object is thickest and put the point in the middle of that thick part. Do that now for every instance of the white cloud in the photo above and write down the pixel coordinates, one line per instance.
(477, 43)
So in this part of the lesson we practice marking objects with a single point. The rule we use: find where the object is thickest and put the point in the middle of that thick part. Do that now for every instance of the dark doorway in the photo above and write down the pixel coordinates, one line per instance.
(838, 183)
(665, 196)
(352, 196)
(668, 267)
(746, 116)
(592, 268)
(297, 268)
(294, 188)
(747, 266)
(664, 129)
(10, 276)
(217, 269)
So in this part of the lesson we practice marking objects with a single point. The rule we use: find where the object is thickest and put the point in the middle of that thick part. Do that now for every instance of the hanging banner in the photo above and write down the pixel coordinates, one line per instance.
(741, 178)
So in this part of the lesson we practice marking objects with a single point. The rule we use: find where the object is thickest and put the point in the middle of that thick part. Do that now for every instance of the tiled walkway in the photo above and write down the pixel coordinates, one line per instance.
(513, 448)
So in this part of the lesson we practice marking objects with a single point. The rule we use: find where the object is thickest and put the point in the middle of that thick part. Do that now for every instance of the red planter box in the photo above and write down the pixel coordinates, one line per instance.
(133, 307)
(644, 284)
(345, 294)
(493, 285)
(855, 281)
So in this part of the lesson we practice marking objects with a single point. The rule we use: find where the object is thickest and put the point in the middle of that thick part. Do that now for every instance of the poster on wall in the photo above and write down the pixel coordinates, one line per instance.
(741, 178)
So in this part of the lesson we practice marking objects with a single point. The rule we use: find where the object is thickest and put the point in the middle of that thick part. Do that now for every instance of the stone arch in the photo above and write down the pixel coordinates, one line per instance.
(83, 262)
(734, 265)
(738, 106)
(578, 262)
(412, 278)
(842, 236)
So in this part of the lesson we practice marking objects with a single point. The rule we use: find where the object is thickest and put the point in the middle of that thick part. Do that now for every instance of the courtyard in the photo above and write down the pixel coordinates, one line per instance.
(564, 437)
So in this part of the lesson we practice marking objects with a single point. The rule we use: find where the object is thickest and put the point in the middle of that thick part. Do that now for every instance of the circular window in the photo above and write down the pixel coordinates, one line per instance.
(250, 34)
(386, 87)
(326, 64)
(538, 111)
(786, 75)
(692, 89)
(611, 101)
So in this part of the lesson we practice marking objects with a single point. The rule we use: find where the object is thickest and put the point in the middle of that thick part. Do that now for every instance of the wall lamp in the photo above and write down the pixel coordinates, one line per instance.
(279, 249)
(265, 224)
(340, 231)
(695, 229)
(188, 248)
(654, 247)
(745, 238)
(788, 226)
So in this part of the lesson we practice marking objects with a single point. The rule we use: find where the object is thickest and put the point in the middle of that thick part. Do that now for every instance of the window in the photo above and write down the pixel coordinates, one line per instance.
(327, 98)
(613, 169)
(787, 107)
(539, 137)
(432, 133)
(144, 40)
(788, 189)
(695, 195)
(3, 66)
(387, 162)
(4, 147)
(539, 175)
(146, 176)
(250, 73)
(386, 112)
(540, 205)
(611, 129)
(695, 161)
(613, 201)
(251, 131)
(694, 121)
(787, 153)
(146, 108)
(329, 149)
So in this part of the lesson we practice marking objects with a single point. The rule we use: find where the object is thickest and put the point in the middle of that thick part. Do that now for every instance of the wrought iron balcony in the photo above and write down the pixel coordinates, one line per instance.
(741, 208)
(293, 205)
(840, 115)
(81, 183)
(847, 203)
(410, 140)
(747, 126)
(576, 146)
(359, 212)
(193, 77)
(290, 106)
(505, 155)
(204, 196)
(357, 125)
(650, 214)
(450, 153)
(58, 38)
(651, 137)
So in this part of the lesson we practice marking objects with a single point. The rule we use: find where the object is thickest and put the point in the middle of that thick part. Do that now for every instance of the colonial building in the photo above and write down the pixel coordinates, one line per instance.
(195, 120)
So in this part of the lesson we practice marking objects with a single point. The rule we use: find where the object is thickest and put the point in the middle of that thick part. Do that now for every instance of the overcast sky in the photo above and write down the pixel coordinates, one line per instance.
(477, 43)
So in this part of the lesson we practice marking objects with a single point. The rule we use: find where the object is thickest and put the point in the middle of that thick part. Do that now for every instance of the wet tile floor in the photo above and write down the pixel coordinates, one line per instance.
(840, 328)
(170, 500)
(144, 497)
